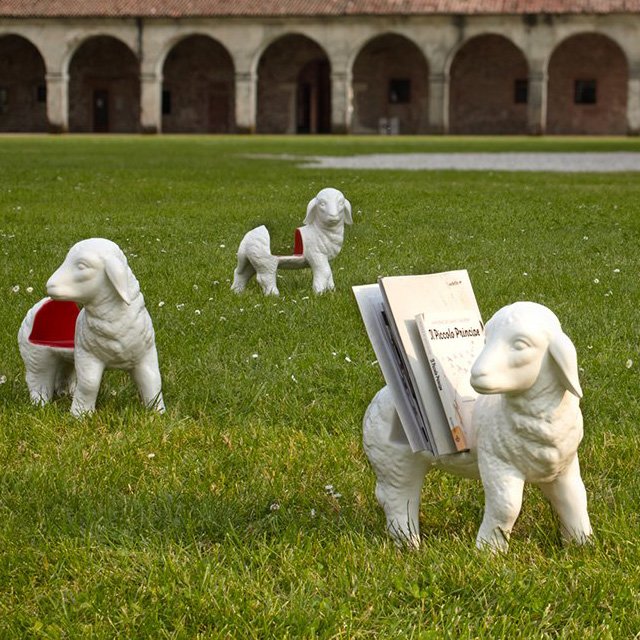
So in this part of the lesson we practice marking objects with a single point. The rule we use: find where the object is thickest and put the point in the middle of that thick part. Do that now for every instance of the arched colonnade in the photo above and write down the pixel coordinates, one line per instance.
(581, 77)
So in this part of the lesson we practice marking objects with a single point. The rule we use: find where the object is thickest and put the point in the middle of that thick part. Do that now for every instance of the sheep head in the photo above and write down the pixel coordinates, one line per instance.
(525, 346)
(90, 268)
(329, 208)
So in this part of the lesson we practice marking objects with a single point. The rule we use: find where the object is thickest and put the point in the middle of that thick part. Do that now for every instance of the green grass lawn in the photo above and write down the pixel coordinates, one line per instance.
(214, 520)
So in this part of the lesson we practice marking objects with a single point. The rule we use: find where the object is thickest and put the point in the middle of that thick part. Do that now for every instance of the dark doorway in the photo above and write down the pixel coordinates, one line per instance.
(313, 102)
(100, 111)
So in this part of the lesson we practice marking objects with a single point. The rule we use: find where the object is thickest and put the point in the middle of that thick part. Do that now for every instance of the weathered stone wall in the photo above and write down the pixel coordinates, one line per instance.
(198, 73)
(104, 64)
(482, 81)
(588, 57)
(21, 73)
(381, 60)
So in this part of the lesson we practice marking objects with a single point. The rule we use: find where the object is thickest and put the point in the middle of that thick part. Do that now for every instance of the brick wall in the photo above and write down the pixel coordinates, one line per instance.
(482, 79)
(387, 58)
(198, 73)
(21, 73)
(104, 64)
(587, 57)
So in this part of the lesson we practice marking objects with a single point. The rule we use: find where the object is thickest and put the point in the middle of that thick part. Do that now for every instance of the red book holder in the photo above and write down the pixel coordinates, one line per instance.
(55, 324)
(297, 244)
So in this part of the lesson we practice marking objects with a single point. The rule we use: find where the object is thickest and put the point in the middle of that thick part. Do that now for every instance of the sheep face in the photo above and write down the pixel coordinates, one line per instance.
(521, 339)
(329, 208)
(91, 268)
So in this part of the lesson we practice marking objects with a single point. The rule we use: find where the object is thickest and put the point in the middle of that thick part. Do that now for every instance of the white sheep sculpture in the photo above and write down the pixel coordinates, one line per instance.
(318, 241)
(113, 330)
(527, 426)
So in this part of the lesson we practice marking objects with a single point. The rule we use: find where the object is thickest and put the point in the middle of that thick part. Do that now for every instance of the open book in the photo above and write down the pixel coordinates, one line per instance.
(426, 332)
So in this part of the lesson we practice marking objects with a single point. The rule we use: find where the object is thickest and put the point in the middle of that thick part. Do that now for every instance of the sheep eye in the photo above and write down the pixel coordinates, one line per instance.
(82, 266)
(322, 204)
(520, 344)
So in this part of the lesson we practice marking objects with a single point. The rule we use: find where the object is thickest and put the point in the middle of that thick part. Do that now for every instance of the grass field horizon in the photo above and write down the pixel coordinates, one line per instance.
(214, 520)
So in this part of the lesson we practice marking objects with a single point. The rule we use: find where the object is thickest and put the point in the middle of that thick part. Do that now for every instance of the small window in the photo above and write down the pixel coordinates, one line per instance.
(399, 91)
(521, 91)
(585, 92)
(4, 100)
(41, 93)
(166, 102)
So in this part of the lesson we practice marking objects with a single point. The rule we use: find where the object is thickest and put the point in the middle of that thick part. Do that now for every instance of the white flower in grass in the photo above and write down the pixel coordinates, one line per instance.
(195, 287)
(596, 281)
(222, 319)
(347, 359)
(332, 492)
(161, 303)
(525, 273)
(151, 456)
(216, 282)
(197, 312)
(616, 271)
(180, 306)
(254, 355)
(15, 288)
(294, 378)
(629, 363)
(313, 513)
(29, 289)
(585, 237)
(275, 506)
(3, 379)
(222, 246)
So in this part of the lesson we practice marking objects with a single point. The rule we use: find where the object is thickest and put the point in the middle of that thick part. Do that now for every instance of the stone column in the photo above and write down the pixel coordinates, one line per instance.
(633, 100)
(245, 100)
(537, 102)
(58, 101)
(341, 102)
(150, 102)
(438, 103)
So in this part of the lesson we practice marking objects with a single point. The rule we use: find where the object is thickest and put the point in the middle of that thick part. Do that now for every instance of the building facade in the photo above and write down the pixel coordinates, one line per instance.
(296, 66)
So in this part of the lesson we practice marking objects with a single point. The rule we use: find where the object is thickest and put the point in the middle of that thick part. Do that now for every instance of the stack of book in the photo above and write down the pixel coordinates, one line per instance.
(426, 331)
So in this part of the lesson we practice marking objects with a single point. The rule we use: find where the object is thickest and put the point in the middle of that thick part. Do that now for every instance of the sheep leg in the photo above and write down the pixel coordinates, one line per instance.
(41, 379)
(503, 488)
(568, 497)
(399, 472)
(267, 279)
(89, 372)
(242, 274)
(146, 375)
(322, 275)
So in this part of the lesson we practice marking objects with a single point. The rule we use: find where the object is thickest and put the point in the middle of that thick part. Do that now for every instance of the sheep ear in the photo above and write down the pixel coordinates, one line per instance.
(347, 212)
(564, 355)
(311, 211)
(117, 271)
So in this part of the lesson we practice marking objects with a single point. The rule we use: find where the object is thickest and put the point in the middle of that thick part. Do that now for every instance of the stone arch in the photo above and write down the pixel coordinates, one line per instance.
(488, 87)
(294, 87)
(390, 78)
(587, 91)
(198, 87)
(23, 89)
(104, 87)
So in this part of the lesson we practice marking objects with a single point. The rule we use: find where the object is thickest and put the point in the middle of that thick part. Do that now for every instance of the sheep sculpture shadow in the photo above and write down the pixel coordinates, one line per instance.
(526, 427)
(317, 242)
(113, 330)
